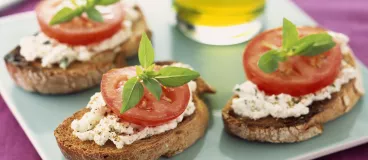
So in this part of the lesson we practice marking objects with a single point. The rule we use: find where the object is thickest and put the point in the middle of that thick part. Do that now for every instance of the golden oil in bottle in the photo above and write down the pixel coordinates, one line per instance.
(219, 22)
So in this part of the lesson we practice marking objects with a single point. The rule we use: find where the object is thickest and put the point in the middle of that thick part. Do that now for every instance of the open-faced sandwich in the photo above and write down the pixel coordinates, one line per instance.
(142, 112)
(78, 42)
(298, 79)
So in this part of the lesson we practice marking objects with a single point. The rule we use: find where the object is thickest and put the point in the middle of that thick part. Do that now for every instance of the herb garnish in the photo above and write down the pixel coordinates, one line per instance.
(66, 14)
(64, 63)
(168, 77)
(310, 45)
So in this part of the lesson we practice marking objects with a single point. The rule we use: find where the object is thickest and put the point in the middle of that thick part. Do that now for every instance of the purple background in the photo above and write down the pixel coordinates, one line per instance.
(346, 16)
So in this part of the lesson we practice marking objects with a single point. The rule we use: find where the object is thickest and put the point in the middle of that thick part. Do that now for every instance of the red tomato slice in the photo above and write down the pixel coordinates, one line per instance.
(81, 30)
(297, 76)
(149, 111)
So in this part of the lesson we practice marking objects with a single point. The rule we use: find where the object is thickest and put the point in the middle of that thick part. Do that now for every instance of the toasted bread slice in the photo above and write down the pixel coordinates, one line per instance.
(32, 77)
(166, 144)
(289, 130)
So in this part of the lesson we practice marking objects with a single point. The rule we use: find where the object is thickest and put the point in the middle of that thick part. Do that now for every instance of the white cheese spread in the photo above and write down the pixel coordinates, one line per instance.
(50, 51)
(94, 125)
(255, 104)
(343, 40)
(345, 49)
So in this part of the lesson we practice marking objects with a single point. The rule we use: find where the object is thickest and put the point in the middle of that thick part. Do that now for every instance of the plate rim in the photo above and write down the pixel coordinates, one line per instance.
(332, 149)
(11, 17)
(22, 123)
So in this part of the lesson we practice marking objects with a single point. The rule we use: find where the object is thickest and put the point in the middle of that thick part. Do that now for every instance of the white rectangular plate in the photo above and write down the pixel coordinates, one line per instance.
(221, 66)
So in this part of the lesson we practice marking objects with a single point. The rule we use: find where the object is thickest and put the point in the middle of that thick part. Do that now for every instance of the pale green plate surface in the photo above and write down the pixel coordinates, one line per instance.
(220, 66)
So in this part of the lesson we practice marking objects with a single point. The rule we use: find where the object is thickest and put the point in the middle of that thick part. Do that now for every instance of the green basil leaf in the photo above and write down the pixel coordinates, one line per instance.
(79, 11)
(298, 49)
(154, 87)
(91, 3)
(151, 67)
(281, 55)
(74, 3)
(176, 76)
(138, 70)
(132, 93)
(94, 15)
(269, 62)
(313, 38)
(152, 74)
(143, 76)
(318, 48)
(64, 15)
(289, 34)
(314, 44)
(106, 2)
(145, 52)
(64, 63)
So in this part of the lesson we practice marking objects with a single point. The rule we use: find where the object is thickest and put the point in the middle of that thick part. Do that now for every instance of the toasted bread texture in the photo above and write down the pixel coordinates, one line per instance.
(32, 77)
(166, 144)
(289, 130)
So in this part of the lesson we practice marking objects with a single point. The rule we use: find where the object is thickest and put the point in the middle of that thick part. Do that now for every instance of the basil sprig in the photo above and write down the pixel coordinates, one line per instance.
(66, 14)
(292, 45)
(146, 75)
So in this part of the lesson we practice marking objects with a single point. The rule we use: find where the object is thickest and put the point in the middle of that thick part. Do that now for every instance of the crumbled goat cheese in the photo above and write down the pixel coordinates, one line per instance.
(345, 49)
(50, 51)
(97, 127)
(343, 40)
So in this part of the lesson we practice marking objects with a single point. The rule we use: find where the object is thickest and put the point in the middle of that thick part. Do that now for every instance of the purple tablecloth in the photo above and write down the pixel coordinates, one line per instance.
(346, 16)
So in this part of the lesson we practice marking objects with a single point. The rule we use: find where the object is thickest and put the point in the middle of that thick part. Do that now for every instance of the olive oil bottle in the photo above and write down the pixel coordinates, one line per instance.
(219, 22)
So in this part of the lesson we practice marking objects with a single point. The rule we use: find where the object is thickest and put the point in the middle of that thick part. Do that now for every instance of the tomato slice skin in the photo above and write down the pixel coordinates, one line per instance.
(81, 30)
(299, 75)
(149, 111)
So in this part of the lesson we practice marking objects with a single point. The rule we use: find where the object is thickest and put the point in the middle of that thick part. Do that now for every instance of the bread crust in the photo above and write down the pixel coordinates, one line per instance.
(166, 144)
(289, 130)
(31, 76)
